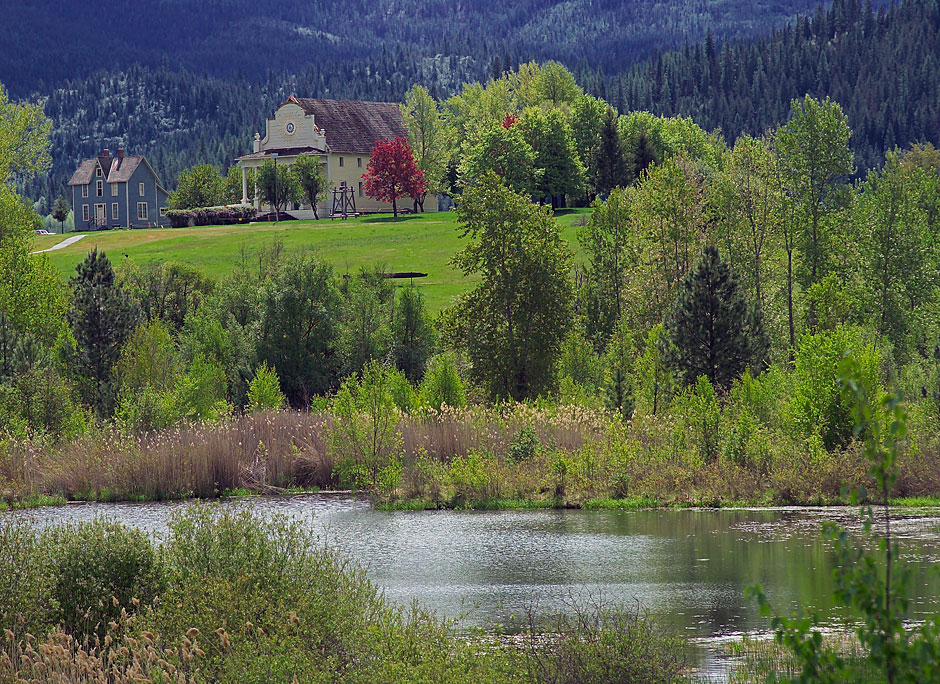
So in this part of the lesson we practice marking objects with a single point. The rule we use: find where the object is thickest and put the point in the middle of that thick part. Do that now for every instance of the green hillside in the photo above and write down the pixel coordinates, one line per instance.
(423, 243)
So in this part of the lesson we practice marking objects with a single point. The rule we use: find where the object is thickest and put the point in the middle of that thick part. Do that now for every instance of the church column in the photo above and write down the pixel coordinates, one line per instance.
(244, 185)
(257, 194)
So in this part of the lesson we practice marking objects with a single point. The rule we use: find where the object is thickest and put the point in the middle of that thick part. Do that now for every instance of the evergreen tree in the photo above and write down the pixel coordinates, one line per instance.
(610, 163)
(643, 155)
(102, 316)
(711, 324)
(60, 212)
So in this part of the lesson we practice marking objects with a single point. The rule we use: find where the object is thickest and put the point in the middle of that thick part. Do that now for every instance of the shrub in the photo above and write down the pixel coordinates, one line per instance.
(97, 570)
(211, 216)
(364, 435)
(602, 645)
(816, 405)
(24, 582)
(264, 391)
(442, 384)
(524, 445)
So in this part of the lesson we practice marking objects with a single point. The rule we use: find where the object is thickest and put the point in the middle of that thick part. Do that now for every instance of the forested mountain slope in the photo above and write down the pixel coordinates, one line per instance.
(882, 66)
(48, 42)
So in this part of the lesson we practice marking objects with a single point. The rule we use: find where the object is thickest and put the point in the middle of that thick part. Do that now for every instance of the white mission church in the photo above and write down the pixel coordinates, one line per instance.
(341, 132)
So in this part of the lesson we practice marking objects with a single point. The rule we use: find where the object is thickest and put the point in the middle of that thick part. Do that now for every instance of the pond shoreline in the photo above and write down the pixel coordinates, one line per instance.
(380, 503)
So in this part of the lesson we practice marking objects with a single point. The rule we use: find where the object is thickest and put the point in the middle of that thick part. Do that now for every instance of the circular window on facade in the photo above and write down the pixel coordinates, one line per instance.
(289, 128)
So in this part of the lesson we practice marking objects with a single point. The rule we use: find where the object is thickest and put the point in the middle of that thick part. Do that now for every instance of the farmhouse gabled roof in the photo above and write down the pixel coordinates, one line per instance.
(115, 169)
(84, 173)
(354, 125)
(123, 169)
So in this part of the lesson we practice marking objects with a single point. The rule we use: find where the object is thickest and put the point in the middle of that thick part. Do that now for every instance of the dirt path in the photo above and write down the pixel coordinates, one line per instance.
(65, 243)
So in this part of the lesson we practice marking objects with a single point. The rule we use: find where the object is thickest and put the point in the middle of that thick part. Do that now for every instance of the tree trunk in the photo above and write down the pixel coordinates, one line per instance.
(790, 302)
(395, 207)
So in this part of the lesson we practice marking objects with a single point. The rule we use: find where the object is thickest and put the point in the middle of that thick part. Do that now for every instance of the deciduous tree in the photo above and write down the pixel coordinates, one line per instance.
(277, 185)
(431, 138)
(392, 173)
(200, 186)
(310, 179)
(512, 323)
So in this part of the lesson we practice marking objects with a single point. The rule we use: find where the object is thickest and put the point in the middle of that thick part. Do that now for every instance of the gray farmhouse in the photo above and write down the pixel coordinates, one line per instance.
(117, 192)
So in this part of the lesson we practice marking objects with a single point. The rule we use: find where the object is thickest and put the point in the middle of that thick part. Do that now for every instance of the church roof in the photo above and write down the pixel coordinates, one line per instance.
(354, 125)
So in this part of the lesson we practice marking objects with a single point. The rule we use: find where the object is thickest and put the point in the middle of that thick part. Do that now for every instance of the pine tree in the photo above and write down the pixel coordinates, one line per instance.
(60, 212)
(102, 316)
(711, 324)
(643, 155)
(610, 163)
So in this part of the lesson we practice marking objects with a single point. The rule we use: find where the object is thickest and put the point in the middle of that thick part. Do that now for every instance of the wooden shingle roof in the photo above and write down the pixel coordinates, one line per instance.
(354, 125)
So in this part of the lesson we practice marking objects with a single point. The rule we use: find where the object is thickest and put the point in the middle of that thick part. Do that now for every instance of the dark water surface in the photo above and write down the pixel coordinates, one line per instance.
(688, 568)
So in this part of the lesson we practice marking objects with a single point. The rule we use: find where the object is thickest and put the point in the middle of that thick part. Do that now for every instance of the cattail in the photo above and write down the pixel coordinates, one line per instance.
(9, 635)
(115, 601)
(192, 632)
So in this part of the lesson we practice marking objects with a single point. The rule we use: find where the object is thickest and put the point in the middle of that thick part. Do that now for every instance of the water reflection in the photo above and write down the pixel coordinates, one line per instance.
(688, 568)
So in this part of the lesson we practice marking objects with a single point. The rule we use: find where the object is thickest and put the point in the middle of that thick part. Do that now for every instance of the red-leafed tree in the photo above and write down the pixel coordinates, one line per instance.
(392, 173)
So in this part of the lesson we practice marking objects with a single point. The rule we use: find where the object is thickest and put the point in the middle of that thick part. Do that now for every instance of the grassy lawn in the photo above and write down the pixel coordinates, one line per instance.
(413, 243)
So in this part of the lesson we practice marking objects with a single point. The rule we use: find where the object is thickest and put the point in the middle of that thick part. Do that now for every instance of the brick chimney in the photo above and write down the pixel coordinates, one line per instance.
(105, 153)
(120, 153)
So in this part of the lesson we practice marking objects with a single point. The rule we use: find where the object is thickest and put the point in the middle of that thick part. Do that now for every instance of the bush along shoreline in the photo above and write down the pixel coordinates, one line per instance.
(236, 597)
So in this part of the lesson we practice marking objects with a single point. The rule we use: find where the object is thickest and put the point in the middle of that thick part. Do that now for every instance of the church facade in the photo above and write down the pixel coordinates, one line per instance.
(341, 133)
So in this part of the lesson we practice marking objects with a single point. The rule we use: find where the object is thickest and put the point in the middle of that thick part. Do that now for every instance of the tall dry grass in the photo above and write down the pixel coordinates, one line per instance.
(259, 452)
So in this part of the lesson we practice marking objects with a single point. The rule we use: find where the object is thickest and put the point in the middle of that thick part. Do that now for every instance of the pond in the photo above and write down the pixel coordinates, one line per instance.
(687, 568)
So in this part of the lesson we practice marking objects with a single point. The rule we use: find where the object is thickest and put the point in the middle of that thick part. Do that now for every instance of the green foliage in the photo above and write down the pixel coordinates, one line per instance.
(233, 185)
(310, 179)
(432, 140)
(31, 293)
(710, 326)
(817, 406)
(166, 290)
(524, 446)
(101, 316)
(654, 379)
(365, 333)
(200, 393)
(25, 597)
(96, 570)
(504, 152)
(264, 391)
(511, 324)
(868, 582)
(200, 186)
(612, 247)
(556, 158)
(364, 436)
(597, 646)
(24, 139)
(412, 334)
(610, 165)
(299, 315)
(60, 212)
(277, 184)
(814, 153)
(442, 384)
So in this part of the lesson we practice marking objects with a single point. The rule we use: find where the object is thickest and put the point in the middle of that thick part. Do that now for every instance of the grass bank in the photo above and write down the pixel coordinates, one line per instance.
(423, 242)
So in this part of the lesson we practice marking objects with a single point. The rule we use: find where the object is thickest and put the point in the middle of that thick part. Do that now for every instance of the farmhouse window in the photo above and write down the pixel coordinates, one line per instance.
(162, 211)
(140, 189)
(114, 189)
(99, 187)
(85, 190)
(141, 211)
(340, 161)
(98, 173)
(84, 212)
(359, 162)
(114, 210)
(360, 188)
